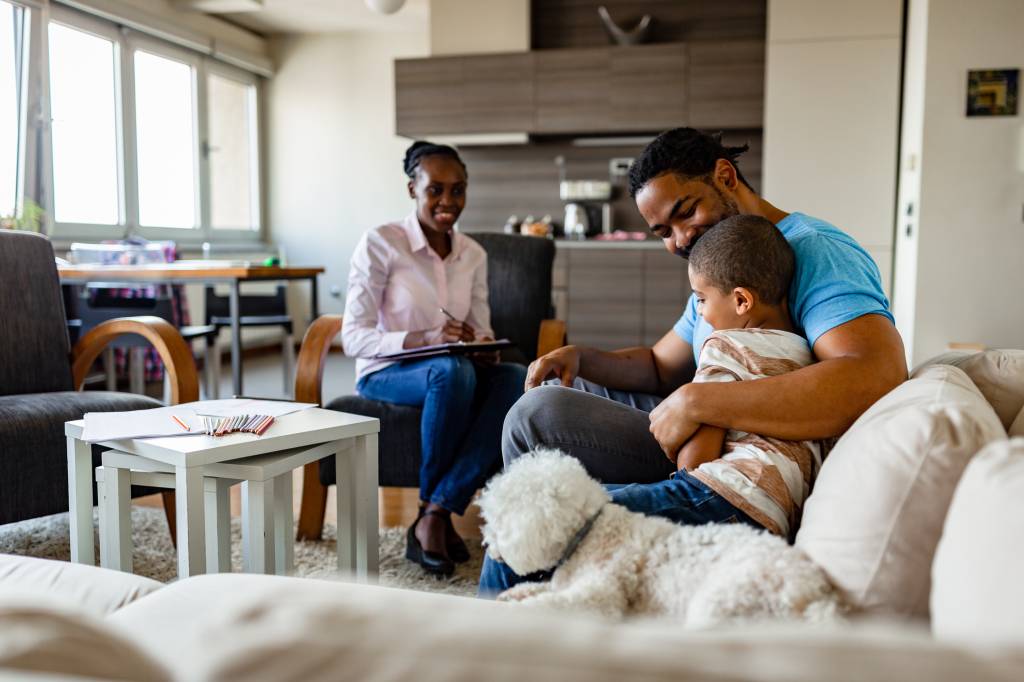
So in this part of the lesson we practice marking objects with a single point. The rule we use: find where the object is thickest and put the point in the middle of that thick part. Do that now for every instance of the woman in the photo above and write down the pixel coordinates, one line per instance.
(415, 283)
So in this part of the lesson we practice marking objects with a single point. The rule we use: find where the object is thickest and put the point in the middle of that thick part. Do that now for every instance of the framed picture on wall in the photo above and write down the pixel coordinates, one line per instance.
(992, 92)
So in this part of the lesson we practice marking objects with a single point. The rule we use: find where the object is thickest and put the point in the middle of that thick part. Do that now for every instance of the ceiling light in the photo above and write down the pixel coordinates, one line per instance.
(385, 6)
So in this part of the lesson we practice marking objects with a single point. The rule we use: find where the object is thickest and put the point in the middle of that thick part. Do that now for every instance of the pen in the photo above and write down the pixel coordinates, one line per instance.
(448, 315)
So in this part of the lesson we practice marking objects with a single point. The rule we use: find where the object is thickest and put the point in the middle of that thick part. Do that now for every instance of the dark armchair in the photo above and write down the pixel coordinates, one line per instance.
(41, 377)
(519, 283)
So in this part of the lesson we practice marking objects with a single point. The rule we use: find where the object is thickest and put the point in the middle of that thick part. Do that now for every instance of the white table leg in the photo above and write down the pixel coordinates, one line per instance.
(345, 499)
(257, 527)
(188, 487)
(115, 520)
(217, 494)
(284, 525)
(367, 522)
(80, 501)
(357, 507)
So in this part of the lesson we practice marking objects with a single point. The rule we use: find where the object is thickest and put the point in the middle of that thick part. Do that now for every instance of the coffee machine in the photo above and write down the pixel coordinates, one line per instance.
(587, 211)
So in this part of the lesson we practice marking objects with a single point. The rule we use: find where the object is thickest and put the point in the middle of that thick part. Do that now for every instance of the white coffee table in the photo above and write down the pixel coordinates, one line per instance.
(353, 438)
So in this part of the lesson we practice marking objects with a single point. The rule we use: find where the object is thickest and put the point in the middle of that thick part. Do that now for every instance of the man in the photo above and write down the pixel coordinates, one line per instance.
(637, 407)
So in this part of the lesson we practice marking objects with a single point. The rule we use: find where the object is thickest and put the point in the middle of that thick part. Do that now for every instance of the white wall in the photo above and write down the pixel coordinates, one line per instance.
(335, 163)
(970, 243)
(832, 115)
(477, 26)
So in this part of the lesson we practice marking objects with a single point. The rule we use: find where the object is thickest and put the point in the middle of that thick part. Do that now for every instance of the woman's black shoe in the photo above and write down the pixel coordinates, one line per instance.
(457, 550)
(431, 562)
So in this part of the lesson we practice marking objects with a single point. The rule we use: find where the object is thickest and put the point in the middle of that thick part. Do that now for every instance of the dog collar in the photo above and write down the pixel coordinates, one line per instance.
(578, 538)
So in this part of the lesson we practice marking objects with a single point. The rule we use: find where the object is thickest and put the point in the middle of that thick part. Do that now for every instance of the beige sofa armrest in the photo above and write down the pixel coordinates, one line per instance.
(97, 591)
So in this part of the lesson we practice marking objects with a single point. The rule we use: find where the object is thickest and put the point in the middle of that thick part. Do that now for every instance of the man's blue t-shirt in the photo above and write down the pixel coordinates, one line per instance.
(835, 281)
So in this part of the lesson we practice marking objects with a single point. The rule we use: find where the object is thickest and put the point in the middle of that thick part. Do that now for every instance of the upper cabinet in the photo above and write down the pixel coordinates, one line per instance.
(727, 84)
(636, 89)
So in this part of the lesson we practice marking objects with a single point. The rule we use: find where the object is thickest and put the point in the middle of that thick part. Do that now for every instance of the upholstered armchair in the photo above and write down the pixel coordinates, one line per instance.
(519, 283)
(41, 377)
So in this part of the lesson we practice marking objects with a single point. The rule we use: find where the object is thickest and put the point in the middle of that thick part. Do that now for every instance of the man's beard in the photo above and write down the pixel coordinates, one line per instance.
(729, 208)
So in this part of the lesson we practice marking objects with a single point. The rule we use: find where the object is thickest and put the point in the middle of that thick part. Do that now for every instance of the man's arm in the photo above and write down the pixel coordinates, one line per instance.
(859, 362)
(658, 370)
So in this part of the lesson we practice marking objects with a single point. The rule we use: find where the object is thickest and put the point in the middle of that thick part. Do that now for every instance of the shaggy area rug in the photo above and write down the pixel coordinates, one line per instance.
(154, 557)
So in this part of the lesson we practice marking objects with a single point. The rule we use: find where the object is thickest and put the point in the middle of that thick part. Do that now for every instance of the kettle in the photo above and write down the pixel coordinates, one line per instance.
(576, 222)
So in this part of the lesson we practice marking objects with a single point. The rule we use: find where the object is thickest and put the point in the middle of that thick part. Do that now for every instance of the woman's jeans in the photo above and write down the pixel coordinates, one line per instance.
(681, 498)
(464, 405)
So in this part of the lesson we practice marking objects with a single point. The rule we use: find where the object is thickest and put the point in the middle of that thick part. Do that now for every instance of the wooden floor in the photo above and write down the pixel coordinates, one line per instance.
(397, 507)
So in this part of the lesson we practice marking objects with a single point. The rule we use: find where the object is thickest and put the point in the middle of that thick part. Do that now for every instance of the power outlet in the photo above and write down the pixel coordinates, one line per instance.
(619, 166)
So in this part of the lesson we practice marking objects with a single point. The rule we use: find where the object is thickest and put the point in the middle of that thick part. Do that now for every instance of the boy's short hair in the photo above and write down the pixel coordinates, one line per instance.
(746, 251)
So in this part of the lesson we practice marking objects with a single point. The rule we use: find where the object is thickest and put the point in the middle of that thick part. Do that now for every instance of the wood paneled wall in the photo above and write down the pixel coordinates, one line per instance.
(575, 23)
(523, 180)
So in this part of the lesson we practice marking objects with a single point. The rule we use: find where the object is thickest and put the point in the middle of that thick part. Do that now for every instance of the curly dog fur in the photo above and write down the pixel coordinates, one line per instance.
(628, 563)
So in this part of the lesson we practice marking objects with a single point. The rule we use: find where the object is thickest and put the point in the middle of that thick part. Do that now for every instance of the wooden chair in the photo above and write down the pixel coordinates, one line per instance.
(41, 377)
(519, 282)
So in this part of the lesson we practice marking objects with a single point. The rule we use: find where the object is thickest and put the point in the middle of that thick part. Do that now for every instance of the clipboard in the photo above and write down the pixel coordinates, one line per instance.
(457, 348)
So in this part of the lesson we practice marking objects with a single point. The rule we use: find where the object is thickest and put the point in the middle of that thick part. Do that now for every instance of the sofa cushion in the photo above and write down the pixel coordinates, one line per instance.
(247, 627)
(876, 512)
(34, 345)
(1016, 429)
(97, 591)
(33, 448)
(977, 591)
(998, 374)
(42, 638)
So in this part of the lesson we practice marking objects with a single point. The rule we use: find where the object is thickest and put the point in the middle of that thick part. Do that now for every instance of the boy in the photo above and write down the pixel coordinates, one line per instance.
(740, 273)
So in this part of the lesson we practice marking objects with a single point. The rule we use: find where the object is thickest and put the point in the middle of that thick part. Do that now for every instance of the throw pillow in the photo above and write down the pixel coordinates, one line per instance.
(977, 592)
(998, 374)
(875, 515)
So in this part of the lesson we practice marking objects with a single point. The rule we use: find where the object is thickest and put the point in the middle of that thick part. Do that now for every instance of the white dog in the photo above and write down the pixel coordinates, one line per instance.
(544, 512)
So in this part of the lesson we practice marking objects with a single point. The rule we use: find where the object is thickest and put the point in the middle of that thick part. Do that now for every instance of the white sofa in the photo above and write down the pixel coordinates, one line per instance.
(933, 517)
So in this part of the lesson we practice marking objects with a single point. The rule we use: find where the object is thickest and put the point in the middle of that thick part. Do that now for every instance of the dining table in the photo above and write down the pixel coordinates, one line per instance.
(233, 273)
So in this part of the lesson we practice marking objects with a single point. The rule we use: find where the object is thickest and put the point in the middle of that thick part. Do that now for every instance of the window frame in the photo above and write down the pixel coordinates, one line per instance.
(24, 159)
(127, 42)
(217, 68)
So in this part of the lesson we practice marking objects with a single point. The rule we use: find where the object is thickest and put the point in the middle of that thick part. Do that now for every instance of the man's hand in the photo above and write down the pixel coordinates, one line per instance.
(671, 425)
(563, 362)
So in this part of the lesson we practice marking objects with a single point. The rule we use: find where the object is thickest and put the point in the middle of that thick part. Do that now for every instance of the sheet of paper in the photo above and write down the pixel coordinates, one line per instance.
(232, 407)
(159, 421)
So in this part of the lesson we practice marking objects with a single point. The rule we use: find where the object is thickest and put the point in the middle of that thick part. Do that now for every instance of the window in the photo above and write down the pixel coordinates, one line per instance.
(146, 137)
(232, 153)
(83, 112)
(166, 142)
(12, 96)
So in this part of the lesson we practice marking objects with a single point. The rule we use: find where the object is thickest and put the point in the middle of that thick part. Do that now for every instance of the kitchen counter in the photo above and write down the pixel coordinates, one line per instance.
(603, 244)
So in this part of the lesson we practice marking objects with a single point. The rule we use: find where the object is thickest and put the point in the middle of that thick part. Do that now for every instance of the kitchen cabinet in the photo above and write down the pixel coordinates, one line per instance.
(613, 296)
(726, 84)
(616, 89)
(460, 95)
(572, 90)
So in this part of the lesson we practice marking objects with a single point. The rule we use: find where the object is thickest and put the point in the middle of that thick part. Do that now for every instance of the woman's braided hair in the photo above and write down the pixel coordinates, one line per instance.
(420, 148)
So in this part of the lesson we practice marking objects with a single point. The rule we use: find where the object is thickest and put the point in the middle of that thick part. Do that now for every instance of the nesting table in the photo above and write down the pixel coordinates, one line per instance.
(200, 469)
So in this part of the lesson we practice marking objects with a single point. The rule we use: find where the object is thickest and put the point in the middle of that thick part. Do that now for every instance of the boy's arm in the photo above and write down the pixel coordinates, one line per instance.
(705, 446)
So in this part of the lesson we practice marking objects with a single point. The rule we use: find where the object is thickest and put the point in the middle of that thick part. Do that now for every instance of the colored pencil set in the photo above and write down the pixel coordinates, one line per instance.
(243, 423)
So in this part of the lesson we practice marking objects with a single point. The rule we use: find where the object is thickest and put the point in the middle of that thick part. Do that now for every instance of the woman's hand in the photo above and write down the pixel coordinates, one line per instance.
(490, 357)
(563, 362)
(454, 331)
